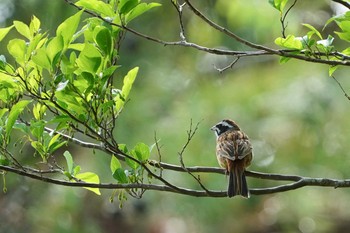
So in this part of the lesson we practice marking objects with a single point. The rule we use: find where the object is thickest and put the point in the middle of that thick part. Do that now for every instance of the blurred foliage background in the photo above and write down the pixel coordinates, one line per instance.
(296, 116)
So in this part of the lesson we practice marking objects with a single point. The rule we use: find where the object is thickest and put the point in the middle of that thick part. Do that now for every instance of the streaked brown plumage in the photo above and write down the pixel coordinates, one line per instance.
(234, 153)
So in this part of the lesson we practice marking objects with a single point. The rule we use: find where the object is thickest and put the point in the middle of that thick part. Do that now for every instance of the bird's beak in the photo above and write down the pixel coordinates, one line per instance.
(213, 128)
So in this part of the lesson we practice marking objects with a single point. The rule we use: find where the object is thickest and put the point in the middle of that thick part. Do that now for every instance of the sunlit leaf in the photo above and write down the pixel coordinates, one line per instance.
(69, 159)
(313, 30)
(290, 42)
(22, 29)
(4, 31)
(90, 177)
(16, 110)
(142, 151)
(139, 10)
(127, 84)
(69, 27)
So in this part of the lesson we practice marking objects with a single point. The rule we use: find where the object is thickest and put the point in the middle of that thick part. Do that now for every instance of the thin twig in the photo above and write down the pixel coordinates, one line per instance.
(341, 87)
(221, 70)
(283, 19)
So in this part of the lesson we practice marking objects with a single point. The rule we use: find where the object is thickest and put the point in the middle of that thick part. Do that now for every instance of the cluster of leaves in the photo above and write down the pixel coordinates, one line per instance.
(313, 44)
(65, 82)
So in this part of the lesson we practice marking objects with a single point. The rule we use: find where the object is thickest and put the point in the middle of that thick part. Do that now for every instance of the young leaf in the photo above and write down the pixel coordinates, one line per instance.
(22, 29)
(41, 59)
(34, 25)
(291, 42)
(68, 28)
(139, 10)
(127, 84)
(120, 176)
(331, 70)
(103, 39)
(313, 29)
(278, 4)
(90, 177)
(115, 164)
(13, 115)
(4, 31)
(97, 6)
(17, 48)
(69, 160)
(142, 151)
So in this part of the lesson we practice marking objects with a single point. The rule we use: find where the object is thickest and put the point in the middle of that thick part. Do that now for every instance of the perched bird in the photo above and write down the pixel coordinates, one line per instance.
(234, 153)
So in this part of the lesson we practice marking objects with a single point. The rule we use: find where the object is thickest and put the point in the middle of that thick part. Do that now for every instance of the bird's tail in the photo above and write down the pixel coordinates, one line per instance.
(237, 184)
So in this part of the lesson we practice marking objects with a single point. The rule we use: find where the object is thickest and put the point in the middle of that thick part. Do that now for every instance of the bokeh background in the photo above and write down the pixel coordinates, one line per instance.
(296, 116)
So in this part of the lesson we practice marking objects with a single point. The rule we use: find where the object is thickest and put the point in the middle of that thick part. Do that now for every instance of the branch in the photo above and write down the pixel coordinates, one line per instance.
(299, 183)
(260, 49)
(344, 3)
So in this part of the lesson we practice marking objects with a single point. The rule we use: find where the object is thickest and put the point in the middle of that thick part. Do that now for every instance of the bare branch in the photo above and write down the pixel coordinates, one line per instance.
(341, 87)
(299, 183)
(344, 3)
(221, 70)
(283, 19)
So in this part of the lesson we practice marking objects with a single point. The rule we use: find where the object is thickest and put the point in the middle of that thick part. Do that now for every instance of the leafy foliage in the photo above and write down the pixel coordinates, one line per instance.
(66, 83)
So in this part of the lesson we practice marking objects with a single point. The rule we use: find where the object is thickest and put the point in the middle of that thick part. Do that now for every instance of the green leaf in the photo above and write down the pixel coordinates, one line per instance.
(37, 128)
(90, 177)
(127, 84)
(41, 59)
(131, 163)
(54, 49)
(139, 10)
(120, 176)
(142, 151)
(55, 143)
(126, 5)
(5, 31)
(291, 42)
(284, 60)
(22, 29)
(69, 27)
(103, 39)
(331, 70)
(278, 4)
(69, 160)
(13, 115)
(344, 35)
(313, 30)
(17, 48)
(34, 25)
(89, 59)
(115, 164)
(123, 148)
(97, 6)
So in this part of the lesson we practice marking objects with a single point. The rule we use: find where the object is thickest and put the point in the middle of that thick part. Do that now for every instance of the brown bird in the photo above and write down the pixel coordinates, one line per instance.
(234, 153)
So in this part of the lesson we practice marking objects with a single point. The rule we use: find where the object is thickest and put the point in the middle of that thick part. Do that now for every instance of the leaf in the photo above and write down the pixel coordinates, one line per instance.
(89, 59)
(34, 25)
(69, 160)
(313, 30)
(103, 39)
(331, 70)
(291, 42)
(126, 5)
(120, 176)
(68, 27)
(13, 115)
(17, 48)
(90, 177)
(142, 151)
(97, 6)
(5, 31)
(54, 49)
(41, 59)
(22, 29)
(127, 84)
(115, 164)
(139, 10)
(278, 4)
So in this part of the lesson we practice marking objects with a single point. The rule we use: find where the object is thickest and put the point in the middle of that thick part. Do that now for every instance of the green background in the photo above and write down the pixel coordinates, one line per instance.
(296, 116)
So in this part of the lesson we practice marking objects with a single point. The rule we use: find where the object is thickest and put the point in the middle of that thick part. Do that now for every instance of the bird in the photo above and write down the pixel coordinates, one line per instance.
(234, 152)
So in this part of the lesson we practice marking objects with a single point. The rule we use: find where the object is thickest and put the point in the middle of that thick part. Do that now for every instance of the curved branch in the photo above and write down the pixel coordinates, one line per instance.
(299, 183)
